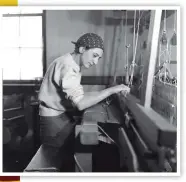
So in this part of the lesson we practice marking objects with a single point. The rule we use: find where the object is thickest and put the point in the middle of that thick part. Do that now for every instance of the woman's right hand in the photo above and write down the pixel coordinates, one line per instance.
(121, 88)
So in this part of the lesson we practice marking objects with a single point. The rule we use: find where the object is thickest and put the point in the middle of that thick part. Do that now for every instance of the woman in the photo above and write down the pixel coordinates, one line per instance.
(61, 89)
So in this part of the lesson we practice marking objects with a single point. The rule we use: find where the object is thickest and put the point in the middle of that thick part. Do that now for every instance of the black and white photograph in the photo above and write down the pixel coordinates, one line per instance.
(90, 90)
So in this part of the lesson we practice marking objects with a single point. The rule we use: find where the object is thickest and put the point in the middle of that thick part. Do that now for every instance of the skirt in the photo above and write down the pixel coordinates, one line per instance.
(55, 130)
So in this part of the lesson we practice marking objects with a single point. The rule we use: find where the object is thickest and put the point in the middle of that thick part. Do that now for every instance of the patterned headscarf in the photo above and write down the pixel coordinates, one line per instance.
(89, 40)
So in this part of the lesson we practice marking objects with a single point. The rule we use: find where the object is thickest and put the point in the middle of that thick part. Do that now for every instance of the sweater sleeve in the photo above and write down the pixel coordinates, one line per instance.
(70, 84)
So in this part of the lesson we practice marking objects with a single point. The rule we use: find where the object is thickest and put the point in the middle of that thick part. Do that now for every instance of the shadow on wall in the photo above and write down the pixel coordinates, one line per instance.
(94, 16)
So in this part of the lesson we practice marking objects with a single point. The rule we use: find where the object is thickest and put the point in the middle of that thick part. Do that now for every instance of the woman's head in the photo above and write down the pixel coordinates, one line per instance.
(90, 48)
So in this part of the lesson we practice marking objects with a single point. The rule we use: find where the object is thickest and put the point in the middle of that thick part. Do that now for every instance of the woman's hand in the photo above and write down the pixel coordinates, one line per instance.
(121, 88)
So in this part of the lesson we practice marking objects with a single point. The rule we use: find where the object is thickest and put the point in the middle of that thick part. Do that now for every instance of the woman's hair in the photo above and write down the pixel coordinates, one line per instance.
(76, 50)
(88, 41)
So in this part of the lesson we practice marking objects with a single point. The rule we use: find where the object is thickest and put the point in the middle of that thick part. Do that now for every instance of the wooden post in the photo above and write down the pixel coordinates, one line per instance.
(151, 54)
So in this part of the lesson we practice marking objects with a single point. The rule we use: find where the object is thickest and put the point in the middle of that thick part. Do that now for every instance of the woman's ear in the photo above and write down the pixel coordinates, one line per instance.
(81, 50)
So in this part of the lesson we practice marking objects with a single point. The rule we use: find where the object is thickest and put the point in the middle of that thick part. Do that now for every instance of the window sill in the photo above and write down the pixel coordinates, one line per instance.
(21, 82)
(29, 87)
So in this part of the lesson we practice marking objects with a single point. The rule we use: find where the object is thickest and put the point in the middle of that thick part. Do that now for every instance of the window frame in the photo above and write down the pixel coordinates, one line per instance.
(43, 18)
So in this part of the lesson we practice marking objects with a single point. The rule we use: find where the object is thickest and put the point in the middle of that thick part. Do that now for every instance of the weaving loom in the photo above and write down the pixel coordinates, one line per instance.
(164, 100)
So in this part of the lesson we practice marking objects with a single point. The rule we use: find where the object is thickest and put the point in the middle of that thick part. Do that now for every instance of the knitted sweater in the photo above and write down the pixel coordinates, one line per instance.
(61, 89)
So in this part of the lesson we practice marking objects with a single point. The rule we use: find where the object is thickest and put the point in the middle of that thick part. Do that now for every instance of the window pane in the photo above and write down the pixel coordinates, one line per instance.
(10, 58)
(31, 63)
(164, 96)
(10, 31)
(31, 31)
(11, 74)
(11, 64)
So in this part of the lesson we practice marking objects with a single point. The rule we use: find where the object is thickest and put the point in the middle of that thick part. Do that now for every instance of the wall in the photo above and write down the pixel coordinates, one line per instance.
(62, 27)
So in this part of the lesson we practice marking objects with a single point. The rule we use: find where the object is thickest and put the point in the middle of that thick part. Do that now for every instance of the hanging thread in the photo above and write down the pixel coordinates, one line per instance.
(119, 43)
(126, 53)
(164, 36)
(134, 54)
(174, 37)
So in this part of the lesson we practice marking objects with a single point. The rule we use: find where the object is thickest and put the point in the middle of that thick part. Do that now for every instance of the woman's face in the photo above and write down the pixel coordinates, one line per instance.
(91, 57)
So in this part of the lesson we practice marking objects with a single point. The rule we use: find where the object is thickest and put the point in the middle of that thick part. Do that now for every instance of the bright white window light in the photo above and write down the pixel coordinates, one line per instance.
(21, 46)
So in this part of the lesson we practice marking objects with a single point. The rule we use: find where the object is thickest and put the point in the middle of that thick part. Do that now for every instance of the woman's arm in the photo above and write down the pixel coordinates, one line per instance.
(93, 98)
(70, 83)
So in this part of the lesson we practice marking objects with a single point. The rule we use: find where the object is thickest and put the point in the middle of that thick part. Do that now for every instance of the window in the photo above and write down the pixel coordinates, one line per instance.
(22, 45)
(164, 97)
